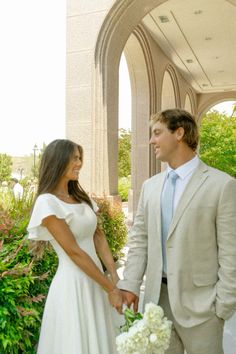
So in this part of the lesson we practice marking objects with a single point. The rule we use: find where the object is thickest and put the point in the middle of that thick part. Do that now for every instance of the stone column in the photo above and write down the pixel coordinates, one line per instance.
(83, 124)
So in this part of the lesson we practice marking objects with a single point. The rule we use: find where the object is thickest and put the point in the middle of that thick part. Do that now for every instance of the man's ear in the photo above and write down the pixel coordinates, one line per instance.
(179, 133)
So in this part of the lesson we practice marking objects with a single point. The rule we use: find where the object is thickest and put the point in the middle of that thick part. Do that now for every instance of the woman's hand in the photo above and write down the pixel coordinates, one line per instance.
(115, 299)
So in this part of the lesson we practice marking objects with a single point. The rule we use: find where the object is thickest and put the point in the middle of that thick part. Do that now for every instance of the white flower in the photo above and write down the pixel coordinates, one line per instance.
(153, 315)
(153, 338)
(147, 334)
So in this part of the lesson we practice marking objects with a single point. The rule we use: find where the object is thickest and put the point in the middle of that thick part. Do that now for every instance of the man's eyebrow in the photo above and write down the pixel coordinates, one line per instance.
(156, 130)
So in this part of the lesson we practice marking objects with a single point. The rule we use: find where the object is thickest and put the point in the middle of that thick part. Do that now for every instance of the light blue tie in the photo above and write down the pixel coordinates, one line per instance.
(167, 208)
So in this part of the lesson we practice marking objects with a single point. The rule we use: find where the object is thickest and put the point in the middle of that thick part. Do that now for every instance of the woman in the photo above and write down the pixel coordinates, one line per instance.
(77, 315)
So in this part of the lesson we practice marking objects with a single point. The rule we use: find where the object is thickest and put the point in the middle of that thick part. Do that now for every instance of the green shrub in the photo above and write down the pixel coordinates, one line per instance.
(24, 281)
(23, 288)
(112, 220)
(124, 186)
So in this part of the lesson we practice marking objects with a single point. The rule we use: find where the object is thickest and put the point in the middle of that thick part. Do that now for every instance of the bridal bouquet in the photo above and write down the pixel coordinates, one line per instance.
(144, 334)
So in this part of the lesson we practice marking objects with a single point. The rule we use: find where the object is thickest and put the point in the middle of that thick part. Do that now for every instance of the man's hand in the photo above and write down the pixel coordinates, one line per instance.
(129, 299)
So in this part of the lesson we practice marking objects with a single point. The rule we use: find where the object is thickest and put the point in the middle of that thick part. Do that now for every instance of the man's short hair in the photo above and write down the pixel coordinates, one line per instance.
(14, 179)
(176, 118)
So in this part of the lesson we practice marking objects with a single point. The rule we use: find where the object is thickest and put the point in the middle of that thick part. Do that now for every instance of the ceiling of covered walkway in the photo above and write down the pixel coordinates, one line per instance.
(200, 39)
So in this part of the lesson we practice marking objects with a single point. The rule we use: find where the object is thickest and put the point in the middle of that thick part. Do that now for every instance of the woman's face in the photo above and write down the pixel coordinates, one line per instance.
(74, 166)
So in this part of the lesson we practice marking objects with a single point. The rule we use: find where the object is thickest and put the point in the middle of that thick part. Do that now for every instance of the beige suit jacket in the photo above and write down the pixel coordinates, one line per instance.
(201, 247)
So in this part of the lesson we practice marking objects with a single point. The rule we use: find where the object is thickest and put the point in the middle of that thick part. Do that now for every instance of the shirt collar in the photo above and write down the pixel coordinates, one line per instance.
(184, 170)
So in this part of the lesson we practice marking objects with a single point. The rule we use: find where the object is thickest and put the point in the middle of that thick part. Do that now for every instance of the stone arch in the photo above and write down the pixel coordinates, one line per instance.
(114, 33)
(209, 100)
(188, 104)
(170, 96)
(170, 89)
(143, 90)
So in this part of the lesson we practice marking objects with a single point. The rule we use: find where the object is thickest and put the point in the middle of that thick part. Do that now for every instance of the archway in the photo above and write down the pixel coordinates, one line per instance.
(137, 56)
(206, 102)
(168, 96)
(188, 104)
(119, 23)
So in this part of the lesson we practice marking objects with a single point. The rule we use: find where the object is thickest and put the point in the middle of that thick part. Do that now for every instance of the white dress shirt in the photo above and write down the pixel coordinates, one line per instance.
(18, 191)
(184, 172)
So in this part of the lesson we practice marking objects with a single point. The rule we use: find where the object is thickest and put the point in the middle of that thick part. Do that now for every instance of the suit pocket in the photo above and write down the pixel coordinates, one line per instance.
(204, 279)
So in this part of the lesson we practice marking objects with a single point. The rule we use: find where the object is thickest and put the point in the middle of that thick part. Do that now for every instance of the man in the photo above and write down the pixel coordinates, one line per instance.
(17, 188)
(190, 268)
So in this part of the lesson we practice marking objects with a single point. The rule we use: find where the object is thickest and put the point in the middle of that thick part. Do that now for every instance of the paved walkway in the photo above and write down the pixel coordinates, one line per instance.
(230, 326)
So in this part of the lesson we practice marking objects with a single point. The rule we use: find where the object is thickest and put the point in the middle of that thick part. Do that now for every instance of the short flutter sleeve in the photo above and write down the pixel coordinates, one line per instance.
(46, 205)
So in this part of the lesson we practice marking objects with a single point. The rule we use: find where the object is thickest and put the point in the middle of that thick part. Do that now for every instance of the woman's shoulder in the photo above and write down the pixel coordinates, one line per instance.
(46, 198)
(47, 204)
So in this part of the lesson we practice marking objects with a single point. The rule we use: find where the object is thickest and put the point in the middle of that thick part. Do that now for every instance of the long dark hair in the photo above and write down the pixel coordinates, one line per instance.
(53, 164)
(55, 159)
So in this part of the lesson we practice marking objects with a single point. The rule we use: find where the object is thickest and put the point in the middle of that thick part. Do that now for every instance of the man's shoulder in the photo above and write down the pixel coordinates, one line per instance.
(154, 179)
(215, 173)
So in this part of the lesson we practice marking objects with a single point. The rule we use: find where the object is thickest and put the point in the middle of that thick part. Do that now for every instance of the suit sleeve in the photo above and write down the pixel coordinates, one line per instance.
(226, 238)
(137, 255)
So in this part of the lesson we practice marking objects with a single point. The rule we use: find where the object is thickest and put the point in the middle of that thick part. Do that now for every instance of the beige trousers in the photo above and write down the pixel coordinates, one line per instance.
(206, 338)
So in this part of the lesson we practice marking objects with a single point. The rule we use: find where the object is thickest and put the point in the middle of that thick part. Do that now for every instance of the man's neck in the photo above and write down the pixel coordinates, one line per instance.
(182, 158)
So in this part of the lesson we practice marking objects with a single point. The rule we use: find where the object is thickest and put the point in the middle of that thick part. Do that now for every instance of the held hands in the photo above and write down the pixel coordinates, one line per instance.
(119, 297)
(130, 299)
(115, 299)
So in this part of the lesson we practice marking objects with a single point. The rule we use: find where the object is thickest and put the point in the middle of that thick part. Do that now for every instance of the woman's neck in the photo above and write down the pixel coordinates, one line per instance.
(61, 190)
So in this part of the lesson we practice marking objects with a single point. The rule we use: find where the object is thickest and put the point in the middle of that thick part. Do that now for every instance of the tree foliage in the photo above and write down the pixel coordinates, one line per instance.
(218, 141)
(124, 151)
(5, 167)
(124, 185)
(234, 110)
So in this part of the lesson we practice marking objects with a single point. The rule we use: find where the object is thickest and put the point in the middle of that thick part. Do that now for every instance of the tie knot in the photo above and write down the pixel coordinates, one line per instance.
(172, 175)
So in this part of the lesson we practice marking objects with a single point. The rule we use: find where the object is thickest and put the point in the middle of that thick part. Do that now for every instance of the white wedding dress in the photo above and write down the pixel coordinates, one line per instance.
(77, 316)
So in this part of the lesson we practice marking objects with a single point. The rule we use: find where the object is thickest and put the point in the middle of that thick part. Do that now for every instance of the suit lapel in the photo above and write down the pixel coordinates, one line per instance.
(197, 179)
(155, 201)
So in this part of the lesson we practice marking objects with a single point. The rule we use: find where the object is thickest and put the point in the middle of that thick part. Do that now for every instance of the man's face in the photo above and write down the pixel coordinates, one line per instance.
(164, 141)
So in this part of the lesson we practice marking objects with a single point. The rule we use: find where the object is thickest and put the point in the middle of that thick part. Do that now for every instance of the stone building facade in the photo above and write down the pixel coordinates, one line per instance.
(98, 32)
